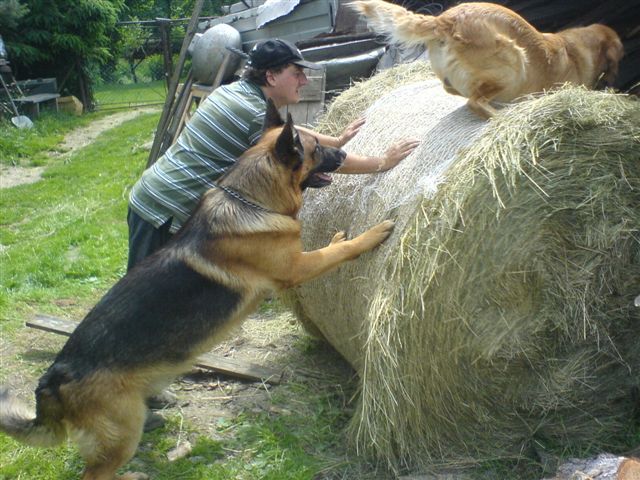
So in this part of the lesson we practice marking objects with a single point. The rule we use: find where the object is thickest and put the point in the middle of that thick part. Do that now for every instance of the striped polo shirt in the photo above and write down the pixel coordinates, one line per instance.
(222, 128)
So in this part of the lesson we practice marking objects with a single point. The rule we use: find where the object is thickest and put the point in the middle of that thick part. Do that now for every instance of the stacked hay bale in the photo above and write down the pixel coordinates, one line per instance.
(500, 312)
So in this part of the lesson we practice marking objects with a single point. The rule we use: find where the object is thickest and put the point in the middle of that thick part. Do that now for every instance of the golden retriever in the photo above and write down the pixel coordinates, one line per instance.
(486, 52)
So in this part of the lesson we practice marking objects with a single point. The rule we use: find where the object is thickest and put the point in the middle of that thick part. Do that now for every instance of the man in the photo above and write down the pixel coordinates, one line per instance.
(223, 127)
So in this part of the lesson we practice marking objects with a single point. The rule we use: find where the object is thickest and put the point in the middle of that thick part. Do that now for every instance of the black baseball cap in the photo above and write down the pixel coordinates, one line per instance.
(275, 53)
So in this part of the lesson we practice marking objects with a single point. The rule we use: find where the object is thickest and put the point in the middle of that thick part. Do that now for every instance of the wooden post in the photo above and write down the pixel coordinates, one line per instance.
(173, 85)
(84, 97)
(164, 25)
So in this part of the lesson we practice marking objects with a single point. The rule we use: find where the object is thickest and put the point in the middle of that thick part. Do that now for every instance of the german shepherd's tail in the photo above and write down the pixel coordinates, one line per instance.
(398, 23)
(42, 430)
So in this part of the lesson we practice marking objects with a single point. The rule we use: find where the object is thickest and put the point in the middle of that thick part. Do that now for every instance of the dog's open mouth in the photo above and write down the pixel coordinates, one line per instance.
(332, 160)
(319, 179)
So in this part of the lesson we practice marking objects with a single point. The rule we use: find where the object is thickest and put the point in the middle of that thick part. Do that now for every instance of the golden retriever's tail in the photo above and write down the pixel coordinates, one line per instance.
(41, 430)
(398, 23)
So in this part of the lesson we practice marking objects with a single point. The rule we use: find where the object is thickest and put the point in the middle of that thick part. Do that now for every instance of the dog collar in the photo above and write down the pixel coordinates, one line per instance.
(237, 196)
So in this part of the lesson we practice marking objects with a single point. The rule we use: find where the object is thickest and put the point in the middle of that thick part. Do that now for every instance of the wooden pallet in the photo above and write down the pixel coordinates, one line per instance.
(216, 363)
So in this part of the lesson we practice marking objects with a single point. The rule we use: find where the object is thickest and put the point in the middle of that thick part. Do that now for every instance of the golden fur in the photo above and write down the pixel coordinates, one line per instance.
(486, 52)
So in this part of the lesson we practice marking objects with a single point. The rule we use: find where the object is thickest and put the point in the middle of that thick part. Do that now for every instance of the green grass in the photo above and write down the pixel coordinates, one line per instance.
(124, 96)
(65, 236)
(63, 243)
(30, 147)
(251, 447)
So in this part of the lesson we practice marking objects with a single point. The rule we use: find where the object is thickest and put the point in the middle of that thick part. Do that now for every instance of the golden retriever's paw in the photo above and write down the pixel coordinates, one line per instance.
(338, 238)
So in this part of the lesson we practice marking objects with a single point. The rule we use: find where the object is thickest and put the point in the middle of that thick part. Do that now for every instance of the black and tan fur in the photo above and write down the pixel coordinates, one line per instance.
(486, 52)
(179, 302)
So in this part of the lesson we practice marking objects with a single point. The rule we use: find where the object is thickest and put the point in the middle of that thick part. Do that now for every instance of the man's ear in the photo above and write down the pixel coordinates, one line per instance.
(272, 118)
(288, 148)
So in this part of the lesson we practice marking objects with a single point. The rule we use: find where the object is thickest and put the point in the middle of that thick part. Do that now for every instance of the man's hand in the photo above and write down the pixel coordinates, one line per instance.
(351, 131)
(396, 153)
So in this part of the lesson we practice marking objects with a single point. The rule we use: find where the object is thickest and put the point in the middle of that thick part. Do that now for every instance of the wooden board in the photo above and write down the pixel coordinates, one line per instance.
(224, 365)
(32, 103)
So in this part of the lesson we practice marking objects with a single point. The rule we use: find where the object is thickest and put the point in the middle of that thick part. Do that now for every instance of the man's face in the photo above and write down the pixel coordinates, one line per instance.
(286, 85)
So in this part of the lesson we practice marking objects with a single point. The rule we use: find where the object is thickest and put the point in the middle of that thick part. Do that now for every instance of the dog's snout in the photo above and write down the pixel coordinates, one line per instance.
(341, 155)
(336, 158)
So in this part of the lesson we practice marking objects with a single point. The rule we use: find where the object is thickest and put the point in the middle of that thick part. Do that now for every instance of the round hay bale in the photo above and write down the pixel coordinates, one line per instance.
(500, 312)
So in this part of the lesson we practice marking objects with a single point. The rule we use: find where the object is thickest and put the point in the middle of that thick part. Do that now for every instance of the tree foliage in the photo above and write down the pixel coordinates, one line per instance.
(62, 38)
(138, 45)
(150, 9)
(11, 11)
(77, 40)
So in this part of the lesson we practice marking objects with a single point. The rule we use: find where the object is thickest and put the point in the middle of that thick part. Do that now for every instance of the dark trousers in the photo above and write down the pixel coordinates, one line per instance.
(144, 238)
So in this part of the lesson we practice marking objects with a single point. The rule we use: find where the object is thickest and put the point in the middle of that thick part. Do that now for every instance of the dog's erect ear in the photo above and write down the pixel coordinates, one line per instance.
(272, 118)
(288, 147)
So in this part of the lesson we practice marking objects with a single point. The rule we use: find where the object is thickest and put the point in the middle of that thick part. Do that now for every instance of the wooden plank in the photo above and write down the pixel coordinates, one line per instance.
(31, 103)
(52, 324)
(196, 95)
(37, 98)
(238, 368)
(227, 366)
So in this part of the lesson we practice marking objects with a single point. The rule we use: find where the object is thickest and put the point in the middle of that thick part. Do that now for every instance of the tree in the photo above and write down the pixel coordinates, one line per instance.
(136, 44)
(63, 38)
(150, 9)
(11, 11)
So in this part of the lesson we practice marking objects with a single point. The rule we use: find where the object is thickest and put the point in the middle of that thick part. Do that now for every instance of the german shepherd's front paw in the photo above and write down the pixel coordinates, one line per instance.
(338, 238)
(383, 229)
(376, 235)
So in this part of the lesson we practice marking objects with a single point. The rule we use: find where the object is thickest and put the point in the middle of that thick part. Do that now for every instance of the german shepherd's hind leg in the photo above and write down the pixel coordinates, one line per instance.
(111, 454)
(114, 438)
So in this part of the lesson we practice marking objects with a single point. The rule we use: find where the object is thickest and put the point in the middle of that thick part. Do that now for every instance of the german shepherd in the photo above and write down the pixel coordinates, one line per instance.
(241, 243)
(486, 52)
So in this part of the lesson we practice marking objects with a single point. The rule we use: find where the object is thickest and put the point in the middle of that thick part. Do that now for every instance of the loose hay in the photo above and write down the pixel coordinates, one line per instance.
(500, 311)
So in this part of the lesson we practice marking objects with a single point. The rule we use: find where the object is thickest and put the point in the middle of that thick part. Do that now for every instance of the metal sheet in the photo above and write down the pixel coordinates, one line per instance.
(273, 9)
(307, 20)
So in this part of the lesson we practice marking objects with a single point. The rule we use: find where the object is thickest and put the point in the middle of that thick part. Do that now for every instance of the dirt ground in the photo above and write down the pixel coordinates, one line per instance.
(207, 400)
